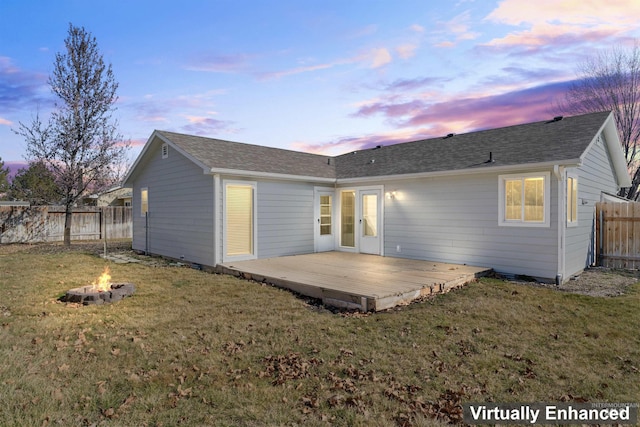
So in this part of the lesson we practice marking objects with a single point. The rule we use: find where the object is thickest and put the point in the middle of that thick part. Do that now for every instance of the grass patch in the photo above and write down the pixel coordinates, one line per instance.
(191, 348)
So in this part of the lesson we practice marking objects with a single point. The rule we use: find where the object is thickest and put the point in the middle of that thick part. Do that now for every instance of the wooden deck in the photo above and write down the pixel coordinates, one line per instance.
(358, 281)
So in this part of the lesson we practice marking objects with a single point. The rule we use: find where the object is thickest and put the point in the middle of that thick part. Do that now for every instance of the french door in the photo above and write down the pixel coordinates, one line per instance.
(361, 220)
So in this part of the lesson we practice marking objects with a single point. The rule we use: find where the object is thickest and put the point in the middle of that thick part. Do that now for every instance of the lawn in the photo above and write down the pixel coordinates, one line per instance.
(193, 348)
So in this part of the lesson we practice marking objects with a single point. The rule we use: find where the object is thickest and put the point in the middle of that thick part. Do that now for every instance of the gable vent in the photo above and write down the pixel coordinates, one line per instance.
(165, 151)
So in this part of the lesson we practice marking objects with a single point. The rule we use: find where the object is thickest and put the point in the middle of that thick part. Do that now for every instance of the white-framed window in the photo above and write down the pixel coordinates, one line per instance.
(144, 201)
(572, 200)
(524, 199)
(165, 151)
(240, 228)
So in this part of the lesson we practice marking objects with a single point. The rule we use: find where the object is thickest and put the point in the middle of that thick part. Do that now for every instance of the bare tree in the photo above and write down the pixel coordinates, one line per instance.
(610, 80)
(80, 144)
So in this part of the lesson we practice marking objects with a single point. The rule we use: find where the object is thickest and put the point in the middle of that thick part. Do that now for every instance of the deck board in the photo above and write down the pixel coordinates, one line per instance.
(367, 282)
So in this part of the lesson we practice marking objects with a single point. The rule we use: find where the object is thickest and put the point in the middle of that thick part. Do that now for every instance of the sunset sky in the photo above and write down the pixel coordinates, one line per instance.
(327, 76)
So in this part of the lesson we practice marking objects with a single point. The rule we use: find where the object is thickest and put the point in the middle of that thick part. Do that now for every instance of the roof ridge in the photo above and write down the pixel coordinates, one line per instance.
(241, 143)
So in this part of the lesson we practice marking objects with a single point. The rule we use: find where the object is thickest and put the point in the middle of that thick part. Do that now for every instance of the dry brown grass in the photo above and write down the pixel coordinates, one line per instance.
(191, 348)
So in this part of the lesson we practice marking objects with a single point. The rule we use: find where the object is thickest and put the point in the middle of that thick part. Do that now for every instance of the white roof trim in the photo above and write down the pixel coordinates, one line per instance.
(615, 150)
(607, 197)
(270, 175)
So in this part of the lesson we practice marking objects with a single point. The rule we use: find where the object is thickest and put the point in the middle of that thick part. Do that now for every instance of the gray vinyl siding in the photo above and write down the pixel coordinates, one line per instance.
(180, 208)
(285, 218)
(595, 175)
(455, 219)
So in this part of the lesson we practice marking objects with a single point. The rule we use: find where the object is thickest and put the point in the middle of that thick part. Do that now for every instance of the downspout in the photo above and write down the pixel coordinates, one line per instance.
(559, 173)
(217, 220)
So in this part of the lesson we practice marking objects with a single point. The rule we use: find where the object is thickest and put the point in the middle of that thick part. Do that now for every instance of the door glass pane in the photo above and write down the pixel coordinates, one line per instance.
(347, 218)
(325, 216)
(369, 215)
(239, 216)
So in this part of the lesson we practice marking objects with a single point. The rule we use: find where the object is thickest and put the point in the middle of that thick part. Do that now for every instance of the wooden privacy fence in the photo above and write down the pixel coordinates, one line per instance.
(33, 224)
(618, 234)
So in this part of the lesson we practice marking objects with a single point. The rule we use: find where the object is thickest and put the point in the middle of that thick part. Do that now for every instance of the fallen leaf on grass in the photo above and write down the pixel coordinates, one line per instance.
(310, 401)
(572, 398)
(127, 402)
(109, 413)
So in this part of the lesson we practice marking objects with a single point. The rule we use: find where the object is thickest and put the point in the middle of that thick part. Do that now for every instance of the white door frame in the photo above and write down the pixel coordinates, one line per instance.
(370, 244)
(359, 191)
(225, 235)
(328, 242)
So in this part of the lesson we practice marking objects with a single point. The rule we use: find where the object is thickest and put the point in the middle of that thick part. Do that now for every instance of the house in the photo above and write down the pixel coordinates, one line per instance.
(519, 199)
(116, 196)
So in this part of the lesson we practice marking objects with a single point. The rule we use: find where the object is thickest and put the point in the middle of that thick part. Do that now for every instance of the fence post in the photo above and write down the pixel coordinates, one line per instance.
(104, 228)
(146, 233)
(601, 237)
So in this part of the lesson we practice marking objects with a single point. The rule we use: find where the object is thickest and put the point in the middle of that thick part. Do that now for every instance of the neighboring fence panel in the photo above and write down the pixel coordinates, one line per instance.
(118, 221)
(19, 224)
(85, 224)
(618, 234)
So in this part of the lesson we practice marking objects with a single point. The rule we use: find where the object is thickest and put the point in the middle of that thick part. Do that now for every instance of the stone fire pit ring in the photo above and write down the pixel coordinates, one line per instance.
(86, 295)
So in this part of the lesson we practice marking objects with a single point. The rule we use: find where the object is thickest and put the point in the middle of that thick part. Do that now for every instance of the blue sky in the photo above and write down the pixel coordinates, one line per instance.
(319, 76)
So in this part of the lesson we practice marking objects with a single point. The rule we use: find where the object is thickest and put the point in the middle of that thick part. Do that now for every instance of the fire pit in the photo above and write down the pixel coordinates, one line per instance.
(100, 292)
(88, 295)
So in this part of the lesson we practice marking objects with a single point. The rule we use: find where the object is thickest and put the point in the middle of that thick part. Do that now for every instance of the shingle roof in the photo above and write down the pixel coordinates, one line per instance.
(220, 154)
(539, 142)
(546, 141)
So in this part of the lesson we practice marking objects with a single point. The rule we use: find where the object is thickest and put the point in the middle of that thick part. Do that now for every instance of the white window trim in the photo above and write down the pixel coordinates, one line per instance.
(575, 177)
(254, 254)
(502, 200)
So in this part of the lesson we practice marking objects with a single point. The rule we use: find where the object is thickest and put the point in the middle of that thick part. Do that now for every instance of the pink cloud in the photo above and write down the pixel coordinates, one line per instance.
(577, 12)
(571, 21)
(139, 142)
(211, 62)
(406, 51)
(412, 84)
(418, 119)
(354, 143)
(380, 57)
(390, 110)
(5, 122)
(456, 30)
(374, 58)
(206, 126)
(491, 111)
(298, 70)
